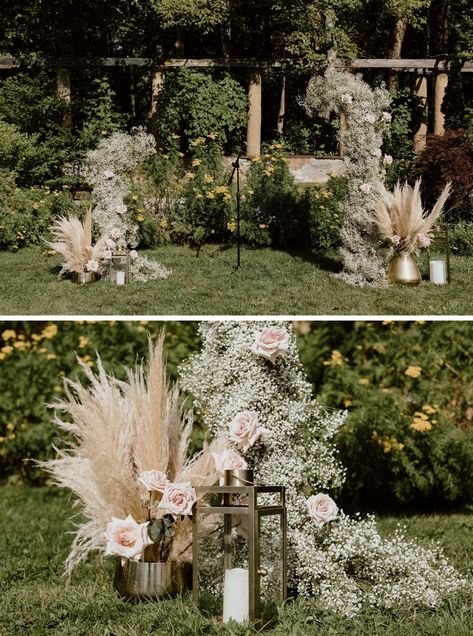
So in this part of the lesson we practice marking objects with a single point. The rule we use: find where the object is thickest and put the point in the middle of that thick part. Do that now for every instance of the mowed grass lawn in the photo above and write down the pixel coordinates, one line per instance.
(270, 282)
(35, 599)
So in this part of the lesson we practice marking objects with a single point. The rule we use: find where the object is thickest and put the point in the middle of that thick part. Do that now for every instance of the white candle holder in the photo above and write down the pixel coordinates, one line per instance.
(438, 272)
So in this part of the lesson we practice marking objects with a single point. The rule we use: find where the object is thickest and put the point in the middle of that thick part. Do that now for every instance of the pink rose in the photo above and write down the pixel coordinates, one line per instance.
(387, 160)
(244, 429)
(387, 117)
(396, 239)
(107, 255)
(346, 98)
(126, 538)
(228, 460)
(270, 343)
(153, 480)
(133, 254)
(424, 240)
(365, 188)
(110, 244)
(322, 509)
(178, 499)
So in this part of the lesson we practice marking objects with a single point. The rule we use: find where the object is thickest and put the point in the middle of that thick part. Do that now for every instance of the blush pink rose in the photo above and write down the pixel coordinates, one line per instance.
(126, 538)
(271, 343)
(153, 480)
(322, 509)
(244, 429)
(178, 499)
(228, 460)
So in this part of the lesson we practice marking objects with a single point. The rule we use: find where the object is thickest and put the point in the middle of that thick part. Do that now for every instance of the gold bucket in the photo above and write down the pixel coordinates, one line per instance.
(403, 269)
(82, 278)
(142, 580)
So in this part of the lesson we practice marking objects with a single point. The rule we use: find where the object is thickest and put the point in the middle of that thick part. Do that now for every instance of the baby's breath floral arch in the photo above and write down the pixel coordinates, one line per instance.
(107, 169)
(364, 111)
(249, 386)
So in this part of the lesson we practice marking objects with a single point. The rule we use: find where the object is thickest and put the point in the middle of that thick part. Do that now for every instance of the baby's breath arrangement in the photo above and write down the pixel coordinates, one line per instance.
(366, 116)
(108, 169)
(248, 383)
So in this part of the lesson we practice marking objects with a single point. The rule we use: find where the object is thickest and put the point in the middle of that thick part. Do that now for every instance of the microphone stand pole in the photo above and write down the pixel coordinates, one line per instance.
(236, 168)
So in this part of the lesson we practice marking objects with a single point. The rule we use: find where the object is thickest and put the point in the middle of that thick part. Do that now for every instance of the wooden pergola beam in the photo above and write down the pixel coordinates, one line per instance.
(407, 65)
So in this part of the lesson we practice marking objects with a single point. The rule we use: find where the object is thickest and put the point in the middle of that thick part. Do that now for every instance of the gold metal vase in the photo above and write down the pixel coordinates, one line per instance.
(403, 269)
(141, 580)
(82, 278)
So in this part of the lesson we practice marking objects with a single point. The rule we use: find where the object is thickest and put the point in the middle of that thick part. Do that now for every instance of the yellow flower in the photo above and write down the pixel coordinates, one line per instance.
(189, 175)
(197, 142)
(36, 206)
(420, 322)
(429, 409)
(51, 356)
(49, 332)
(221, 189)
(199, 196)
(413, 372)
(134, 197)
(174, 136)
(103, 132)
(163, 223)
(347, 402)
(388, 322)
(256, 159)
(263, 226)
(266, 156)
(210, 195)
(212, 135)
(231, 226)
(336, 360)
(7, 349)
(250, 192)
(208, 178)
(57, 388)
(196, 162)
(9, 334)
(420, 425)
(387, 443)
(363, 381)
(140, 218)
(180, 154)
(83, 341)
(3, 356)
(385, 390)
(21, 345)
(421, 416)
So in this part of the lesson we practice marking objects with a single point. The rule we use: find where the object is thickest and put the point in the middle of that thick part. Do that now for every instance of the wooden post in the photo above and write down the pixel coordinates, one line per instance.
(156, 86)
(253, 148)
(441, 82)
(420, 137)
(63, 82)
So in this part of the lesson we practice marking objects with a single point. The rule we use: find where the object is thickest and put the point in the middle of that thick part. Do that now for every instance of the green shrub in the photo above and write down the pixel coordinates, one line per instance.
(34, 359)
(271, 203)
(26, 214)
(408, 388)
(461, 238)
(325, 214)
(197, 104)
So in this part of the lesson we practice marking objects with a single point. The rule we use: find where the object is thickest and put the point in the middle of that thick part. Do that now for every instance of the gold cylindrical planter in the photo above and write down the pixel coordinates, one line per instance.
(238, 477)
(403, 270)
(138, 580)
(83, 277)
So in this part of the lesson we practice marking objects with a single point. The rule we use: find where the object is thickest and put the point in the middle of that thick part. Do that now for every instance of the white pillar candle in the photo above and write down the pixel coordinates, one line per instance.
(236, 595)
(437, 272)
(120, 278)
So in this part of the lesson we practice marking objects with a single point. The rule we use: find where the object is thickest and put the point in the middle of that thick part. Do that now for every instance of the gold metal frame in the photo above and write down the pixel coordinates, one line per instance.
(255, 512)
(120, 256)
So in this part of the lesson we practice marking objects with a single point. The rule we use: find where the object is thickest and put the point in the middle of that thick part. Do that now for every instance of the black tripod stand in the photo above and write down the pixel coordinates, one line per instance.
(236, 169)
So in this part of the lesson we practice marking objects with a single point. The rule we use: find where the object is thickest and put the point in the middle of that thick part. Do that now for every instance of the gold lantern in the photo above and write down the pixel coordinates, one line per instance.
(239, 550)
(120, 267)
(438, 256)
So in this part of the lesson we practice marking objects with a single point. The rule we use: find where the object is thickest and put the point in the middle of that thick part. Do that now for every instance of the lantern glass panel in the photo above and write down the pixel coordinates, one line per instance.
(222, 546)
(271, 564)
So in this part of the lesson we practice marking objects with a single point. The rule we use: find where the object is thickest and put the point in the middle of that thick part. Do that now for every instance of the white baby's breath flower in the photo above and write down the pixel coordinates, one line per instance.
(387, 160)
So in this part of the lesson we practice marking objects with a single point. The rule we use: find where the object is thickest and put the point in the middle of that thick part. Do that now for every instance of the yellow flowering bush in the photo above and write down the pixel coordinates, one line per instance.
(36, 356)
(408, 389)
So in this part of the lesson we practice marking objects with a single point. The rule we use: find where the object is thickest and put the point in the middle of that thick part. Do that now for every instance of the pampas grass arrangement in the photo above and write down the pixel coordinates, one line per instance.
(402, 219)
(73, 240)
(120, 430)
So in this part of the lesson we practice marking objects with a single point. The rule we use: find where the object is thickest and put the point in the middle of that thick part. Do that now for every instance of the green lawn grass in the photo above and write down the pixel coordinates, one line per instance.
(35, 598)
(270, 282)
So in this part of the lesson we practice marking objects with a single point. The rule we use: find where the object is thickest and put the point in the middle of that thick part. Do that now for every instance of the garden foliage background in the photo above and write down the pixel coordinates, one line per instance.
(407, 386)
(200, 115)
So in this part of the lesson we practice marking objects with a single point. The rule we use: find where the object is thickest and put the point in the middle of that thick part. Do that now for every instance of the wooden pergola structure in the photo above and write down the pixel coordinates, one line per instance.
(437, 69)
